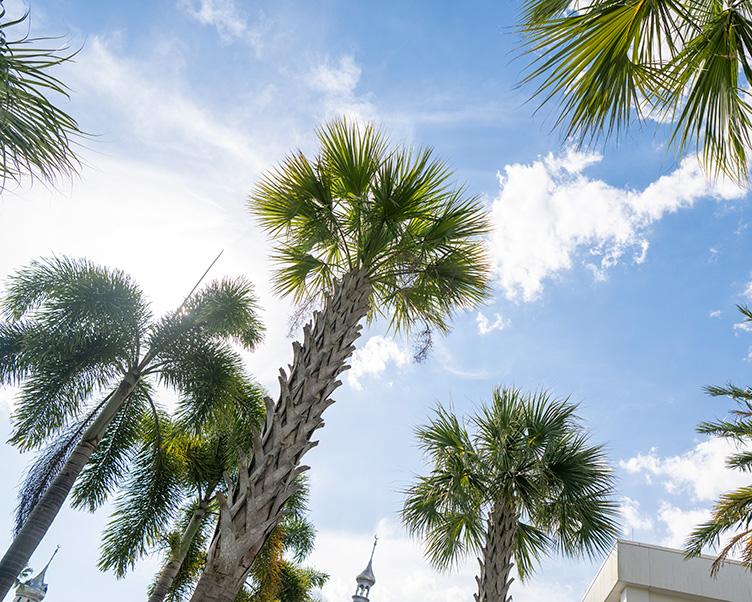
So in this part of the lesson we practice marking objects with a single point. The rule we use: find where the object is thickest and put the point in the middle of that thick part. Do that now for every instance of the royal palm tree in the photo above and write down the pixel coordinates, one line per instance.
(36, 135)
(79, 341)
(732, 513)
(523, 482)
(687, 62)
(365, 230)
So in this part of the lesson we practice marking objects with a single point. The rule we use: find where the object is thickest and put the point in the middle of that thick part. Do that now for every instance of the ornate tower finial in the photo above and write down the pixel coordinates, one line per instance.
(366, 580)
(35, 589)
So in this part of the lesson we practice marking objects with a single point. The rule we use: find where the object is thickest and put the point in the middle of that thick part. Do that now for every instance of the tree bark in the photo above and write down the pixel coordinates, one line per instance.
(255, 505)
(496, 564)
(38, 523)
(175, 561)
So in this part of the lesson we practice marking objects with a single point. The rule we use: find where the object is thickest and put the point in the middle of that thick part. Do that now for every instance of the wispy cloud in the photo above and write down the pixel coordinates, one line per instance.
(337, 81)
(223, 15)
(548, 216)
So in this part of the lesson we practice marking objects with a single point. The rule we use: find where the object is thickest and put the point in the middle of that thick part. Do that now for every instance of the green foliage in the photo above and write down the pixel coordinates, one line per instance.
(361, 205)
(172, 471)
(729, 529)
(71, 332)
(37, 136)
(526, 452)
(145, 508)
(612, 61)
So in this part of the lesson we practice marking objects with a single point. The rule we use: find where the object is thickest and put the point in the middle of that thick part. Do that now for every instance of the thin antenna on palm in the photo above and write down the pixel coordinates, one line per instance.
(200, 280)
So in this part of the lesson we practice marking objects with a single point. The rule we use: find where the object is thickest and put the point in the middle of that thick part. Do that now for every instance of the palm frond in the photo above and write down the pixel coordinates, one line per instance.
(150, 499)
(109, 463)
(38, 137)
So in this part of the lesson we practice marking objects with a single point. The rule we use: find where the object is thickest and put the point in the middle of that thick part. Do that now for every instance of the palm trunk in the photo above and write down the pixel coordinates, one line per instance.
(496, 565)
(38, 522)
(176, 559)
(267, 479)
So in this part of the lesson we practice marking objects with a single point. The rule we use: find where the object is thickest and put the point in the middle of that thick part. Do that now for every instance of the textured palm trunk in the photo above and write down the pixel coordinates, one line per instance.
(176, 559)
(37, 524)
(267, 478)
(496, 564)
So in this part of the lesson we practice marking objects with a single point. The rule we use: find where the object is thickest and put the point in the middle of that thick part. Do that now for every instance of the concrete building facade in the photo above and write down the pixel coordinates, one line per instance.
(637, 572)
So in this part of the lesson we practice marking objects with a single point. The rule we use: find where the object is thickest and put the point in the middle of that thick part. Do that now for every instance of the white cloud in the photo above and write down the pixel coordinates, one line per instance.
(701, 472)
(679, 523)
(748, 290)
(340, 78)
(548, 216)
(486, 326)
(221, 14)
(743, 326)
(373, 358)
(716, 313)
(337, 81)
(632, 519)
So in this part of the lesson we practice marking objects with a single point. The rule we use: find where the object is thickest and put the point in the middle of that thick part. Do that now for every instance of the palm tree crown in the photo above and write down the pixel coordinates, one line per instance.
(686, 61)
(363, 206)
(80, 343)
(527, 468)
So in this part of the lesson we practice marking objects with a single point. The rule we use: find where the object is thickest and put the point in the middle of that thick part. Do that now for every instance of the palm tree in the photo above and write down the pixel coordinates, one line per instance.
(36, 135)
(732, 513)
(79, 341)
(366, 230)
(610, 62)
(169, 502)
(525, 482)
(175, 475)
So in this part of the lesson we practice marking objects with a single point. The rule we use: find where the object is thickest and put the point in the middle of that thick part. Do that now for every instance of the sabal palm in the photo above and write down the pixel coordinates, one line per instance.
(732, 513)
(36, 136)
(609, 62)
(277, 574)
(366, 229)
(79, 341)
(523, 482)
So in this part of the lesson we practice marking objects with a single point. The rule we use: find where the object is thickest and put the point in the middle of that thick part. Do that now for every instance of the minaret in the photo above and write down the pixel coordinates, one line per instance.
(35, 589)
(366, 579)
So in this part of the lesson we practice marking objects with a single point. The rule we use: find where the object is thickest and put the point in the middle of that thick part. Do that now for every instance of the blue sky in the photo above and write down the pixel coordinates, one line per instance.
(617, 271)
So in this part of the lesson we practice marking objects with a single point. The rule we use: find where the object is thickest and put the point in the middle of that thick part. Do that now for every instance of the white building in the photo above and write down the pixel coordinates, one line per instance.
(637, 572)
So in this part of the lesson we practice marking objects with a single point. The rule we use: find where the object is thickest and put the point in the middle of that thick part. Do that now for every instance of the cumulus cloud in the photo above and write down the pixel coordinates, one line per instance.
(374, 358)
(548, 216)
(679, 523)
(487, 325)
(632, 518)
(701, 472)
(337, 81)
